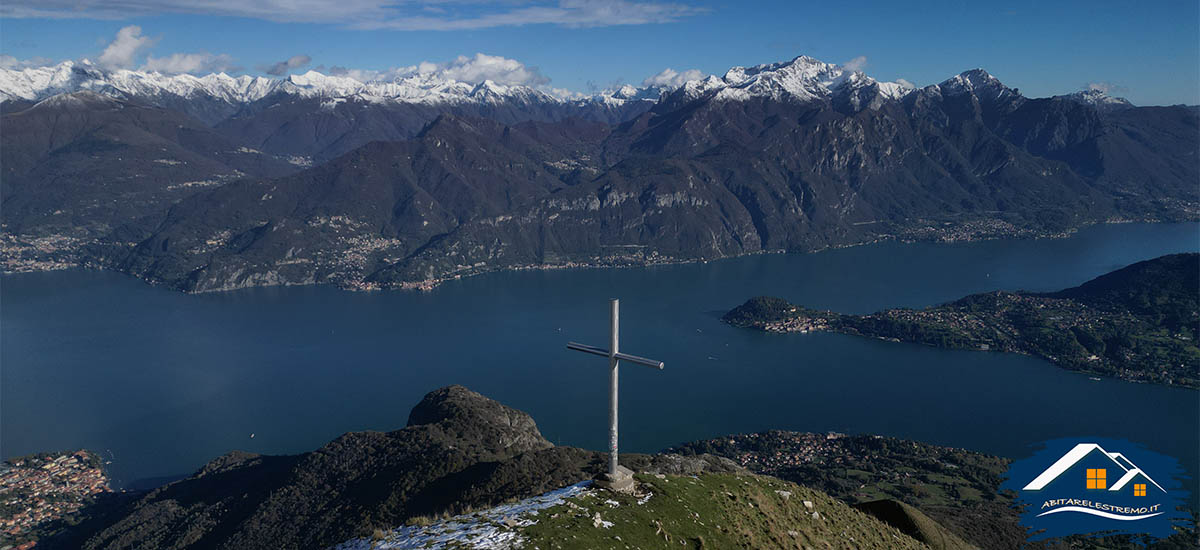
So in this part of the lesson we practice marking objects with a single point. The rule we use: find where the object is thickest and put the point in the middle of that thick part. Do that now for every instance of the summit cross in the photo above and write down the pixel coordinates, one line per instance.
(614, 358)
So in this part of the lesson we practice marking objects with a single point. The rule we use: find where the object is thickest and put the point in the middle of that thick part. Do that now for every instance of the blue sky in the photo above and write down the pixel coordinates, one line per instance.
(1148, 52)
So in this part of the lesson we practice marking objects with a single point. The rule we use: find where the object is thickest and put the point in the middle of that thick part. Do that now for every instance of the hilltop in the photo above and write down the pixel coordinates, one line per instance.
(467, 467)
(943, 496)
(1139, 323)
(703, 511)
(460, 453)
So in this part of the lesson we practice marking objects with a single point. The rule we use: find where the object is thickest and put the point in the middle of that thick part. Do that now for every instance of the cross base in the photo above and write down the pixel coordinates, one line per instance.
(621, 482)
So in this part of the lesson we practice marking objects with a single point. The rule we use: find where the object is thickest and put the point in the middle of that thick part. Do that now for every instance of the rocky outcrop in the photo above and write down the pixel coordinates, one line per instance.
(460, 451)
(484, 420)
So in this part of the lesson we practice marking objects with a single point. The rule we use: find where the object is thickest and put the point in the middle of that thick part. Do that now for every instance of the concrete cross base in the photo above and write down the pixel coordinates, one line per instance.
(622, 482)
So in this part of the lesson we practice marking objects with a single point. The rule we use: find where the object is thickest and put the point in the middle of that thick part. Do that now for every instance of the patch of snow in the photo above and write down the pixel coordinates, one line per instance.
(801, 79)
(1099, 99)
(979, 82)
(490, 529)
(38, 83)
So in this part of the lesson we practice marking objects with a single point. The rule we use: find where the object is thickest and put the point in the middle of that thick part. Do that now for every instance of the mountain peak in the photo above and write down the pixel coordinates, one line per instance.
(980, 83)
(973, 79)
(803, 78)
(1099, 99)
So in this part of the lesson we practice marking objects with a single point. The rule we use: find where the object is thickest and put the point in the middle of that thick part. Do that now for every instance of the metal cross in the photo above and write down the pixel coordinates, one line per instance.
(614, 357)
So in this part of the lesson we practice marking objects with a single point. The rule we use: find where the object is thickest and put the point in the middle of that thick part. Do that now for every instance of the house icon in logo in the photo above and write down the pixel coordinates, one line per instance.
(1079, 487)
(1089, 467)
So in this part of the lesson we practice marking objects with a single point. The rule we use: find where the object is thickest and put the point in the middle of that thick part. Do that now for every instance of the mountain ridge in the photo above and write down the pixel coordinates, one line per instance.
(793, 156)
(802, 78)
(33, 84)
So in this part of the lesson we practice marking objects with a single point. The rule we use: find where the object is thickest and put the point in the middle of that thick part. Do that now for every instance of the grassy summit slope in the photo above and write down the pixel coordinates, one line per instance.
(712, 511)
(943, 496)
(914, 523)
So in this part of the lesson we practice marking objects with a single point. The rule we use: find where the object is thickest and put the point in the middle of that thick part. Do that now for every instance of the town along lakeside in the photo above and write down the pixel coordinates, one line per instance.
(1140, 323)
(43, 493)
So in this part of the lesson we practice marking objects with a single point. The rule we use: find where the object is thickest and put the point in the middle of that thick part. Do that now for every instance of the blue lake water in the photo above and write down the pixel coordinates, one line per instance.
(161, 381)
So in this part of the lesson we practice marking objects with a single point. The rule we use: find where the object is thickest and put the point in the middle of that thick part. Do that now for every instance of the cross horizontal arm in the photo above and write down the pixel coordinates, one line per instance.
(622, 356)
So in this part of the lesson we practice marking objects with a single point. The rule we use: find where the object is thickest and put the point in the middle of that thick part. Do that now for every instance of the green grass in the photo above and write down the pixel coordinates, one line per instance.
(712, 511)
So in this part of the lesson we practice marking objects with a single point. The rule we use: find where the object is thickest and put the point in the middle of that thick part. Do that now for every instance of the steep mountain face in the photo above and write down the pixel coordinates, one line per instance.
(375, 206)
(320, 128)
(84, 163)
(794, 156)
(460, 450)
(121, 168)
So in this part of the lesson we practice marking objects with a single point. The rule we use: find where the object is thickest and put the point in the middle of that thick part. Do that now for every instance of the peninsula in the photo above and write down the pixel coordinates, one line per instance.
(1139, 323)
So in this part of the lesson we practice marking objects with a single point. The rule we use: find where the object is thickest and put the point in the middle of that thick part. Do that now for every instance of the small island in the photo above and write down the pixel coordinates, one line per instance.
(1140, 323)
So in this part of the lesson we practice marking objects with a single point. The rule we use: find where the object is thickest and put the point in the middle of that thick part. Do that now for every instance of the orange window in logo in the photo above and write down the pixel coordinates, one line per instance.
(1139, 489)
(1097, 478)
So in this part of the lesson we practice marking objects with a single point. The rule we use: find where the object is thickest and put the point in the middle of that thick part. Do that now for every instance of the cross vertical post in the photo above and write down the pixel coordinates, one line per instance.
(612, 389)
(621, 476)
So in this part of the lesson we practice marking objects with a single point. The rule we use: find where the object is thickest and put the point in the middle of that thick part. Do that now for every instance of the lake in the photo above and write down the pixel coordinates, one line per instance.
(161, 382)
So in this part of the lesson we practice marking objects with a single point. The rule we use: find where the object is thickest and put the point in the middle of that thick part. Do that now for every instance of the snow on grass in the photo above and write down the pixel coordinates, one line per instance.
(491, 529)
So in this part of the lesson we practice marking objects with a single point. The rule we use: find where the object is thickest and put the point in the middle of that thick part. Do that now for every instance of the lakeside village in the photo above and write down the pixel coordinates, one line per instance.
(348, 263)
(36, 490)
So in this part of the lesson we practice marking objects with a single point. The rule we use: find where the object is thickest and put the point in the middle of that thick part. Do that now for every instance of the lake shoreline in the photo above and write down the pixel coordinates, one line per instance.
(1137, 323)
(90, 355)
(924, 234)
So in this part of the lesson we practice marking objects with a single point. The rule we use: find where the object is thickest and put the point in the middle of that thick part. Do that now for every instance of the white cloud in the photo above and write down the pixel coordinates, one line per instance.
(377, 14)
(487, 67)
(563, 93)
(284, 67)
(1105, 88)
(367, 75)
(129, 43)
(905, 83)
(194, 63)
(10, 62)
(473, 70)
(672, 79)
(856, 64)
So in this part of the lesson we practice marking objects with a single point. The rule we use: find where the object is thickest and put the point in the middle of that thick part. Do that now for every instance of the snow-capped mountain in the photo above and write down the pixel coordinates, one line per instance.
(801, 79)
(1099, 99)
(37, 83)
(977, 81)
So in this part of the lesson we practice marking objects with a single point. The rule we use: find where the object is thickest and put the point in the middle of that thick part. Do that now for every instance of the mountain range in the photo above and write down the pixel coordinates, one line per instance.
(216, 182)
